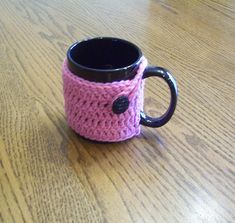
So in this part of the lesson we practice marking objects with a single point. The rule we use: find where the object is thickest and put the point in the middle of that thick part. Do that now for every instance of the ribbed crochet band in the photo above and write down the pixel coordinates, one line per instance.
(88, 106)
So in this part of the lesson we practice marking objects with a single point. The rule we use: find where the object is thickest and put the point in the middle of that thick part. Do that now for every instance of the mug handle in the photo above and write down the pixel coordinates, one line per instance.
(167, 76)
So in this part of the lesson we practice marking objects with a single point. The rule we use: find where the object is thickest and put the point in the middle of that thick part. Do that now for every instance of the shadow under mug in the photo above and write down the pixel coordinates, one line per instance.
(108, 59)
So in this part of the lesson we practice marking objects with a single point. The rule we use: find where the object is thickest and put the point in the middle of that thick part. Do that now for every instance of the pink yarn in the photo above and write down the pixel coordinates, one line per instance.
(88, 106)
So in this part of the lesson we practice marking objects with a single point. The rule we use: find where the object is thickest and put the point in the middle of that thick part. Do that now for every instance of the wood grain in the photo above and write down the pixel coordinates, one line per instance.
(182, 172)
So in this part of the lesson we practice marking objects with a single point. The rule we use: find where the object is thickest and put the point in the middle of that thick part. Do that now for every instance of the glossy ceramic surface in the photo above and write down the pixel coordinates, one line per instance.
(104, 59)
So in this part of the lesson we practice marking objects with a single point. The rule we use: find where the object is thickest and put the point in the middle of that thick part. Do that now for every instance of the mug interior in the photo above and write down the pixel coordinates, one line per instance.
(104, 53)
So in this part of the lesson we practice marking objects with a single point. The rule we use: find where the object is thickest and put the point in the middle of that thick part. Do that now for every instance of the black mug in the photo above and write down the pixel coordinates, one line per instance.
(107, 59)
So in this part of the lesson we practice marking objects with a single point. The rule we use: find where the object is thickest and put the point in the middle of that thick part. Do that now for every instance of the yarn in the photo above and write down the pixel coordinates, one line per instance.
(88, 106)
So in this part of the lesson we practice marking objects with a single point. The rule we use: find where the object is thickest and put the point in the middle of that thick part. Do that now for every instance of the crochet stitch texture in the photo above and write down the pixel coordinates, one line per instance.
(88, 106)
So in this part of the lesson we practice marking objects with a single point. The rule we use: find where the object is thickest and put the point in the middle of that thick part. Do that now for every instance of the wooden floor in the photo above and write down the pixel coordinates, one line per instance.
(183, 172)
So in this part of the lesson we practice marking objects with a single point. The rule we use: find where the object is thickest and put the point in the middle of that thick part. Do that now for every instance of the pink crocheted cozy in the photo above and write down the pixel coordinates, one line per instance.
(88, 106)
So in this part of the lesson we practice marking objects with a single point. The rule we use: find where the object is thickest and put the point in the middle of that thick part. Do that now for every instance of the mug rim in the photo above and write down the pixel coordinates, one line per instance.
(75, 64)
